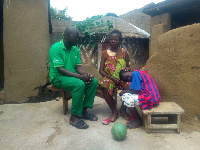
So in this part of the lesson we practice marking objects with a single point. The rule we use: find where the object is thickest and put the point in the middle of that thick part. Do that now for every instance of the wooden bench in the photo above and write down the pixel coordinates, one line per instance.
(165, 110)
(169, 110)
(66, 95)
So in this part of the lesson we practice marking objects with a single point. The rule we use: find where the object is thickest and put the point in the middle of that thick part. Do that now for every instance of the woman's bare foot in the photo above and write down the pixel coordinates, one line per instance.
(114, 116)
(135, 123)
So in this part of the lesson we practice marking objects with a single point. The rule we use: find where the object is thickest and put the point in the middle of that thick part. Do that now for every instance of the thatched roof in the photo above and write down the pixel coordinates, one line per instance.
(128, 30)
(173, 6)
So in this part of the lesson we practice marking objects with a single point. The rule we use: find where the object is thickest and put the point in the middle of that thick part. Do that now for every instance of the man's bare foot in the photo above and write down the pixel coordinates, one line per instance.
(135, 123)
(124, 114)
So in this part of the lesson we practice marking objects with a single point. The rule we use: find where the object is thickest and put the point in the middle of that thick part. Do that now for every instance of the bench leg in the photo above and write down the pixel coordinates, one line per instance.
(65, 102)
(178, 123)
(148, 124)
(175, 119)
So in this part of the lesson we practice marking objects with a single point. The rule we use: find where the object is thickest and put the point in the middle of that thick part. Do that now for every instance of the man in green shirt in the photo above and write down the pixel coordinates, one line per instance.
(67, 73)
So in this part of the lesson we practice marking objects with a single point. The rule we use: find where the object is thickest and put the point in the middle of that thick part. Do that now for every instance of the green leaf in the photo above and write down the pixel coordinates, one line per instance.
(88, 26)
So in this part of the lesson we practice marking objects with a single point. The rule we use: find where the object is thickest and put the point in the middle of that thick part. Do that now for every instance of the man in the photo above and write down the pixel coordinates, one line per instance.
(143, 90)
(67, 73)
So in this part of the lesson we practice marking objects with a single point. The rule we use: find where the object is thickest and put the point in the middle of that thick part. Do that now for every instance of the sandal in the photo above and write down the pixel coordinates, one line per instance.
(80, 124)
(106, 121)
(89, 117)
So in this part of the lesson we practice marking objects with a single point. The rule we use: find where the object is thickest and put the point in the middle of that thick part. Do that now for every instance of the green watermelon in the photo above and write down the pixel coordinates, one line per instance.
(119, 131)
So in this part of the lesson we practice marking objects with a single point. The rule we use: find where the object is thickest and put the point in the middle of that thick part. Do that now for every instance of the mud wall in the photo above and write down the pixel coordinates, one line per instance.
(175, 66)
(1, 47)
(159, 25)
(26, 45)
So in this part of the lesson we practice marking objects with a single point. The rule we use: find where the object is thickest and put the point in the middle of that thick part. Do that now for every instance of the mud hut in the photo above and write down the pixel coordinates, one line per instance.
(135, 41)
(168, 15)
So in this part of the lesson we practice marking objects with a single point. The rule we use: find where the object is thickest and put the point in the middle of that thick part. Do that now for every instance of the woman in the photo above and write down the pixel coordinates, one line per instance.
(112, 60)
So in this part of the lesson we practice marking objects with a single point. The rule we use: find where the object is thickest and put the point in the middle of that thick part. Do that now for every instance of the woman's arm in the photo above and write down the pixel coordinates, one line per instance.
(127, 59)
(102, 72)
(101, 69)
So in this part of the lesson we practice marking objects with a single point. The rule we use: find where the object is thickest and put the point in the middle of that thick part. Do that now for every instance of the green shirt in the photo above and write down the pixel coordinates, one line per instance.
(59, 56)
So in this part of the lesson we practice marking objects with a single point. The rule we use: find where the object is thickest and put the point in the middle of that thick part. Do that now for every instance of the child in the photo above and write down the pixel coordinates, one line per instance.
(112, 60)
(144, 88)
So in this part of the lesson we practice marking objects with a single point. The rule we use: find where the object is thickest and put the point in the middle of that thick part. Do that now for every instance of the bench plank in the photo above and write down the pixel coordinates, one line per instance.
(165, 108)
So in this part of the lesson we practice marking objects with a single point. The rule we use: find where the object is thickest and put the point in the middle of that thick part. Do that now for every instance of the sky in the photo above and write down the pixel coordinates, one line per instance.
(79, 10)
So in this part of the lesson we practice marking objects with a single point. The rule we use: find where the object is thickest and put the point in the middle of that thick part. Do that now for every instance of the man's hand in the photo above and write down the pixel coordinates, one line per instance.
(91, 77)
(84, 77)
(87, 78)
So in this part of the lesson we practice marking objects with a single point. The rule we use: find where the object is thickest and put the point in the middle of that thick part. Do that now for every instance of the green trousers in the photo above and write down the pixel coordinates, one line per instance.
(82, 94)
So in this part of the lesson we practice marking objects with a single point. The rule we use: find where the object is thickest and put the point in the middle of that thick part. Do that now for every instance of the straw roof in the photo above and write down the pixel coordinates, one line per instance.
(178, 6)
(127, 29)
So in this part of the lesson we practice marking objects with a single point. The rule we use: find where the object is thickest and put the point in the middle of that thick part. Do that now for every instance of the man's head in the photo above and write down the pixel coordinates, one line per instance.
(71, 35)
(125, 75)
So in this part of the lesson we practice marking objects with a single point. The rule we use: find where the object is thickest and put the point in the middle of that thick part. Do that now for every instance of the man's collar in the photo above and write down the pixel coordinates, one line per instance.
(63, 46)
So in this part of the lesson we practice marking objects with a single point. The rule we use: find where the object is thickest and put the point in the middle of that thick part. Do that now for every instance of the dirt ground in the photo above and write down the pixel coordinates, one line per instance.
(34, 126)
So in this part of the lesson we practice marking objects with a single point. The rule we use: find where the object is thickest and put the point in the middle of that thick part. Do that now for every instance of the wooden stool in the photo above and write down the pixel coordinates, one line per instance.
(66, 95)
(171, 110)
